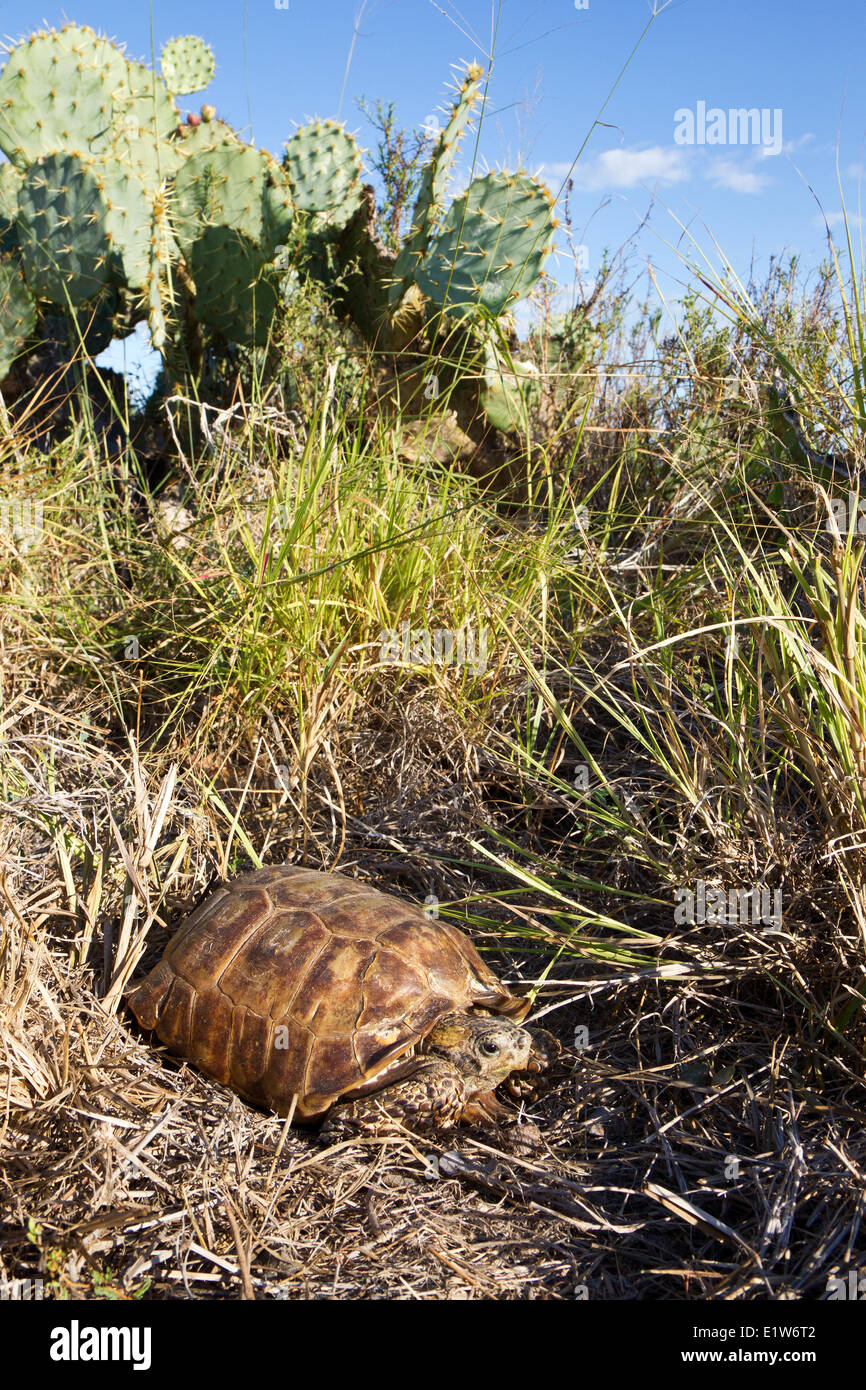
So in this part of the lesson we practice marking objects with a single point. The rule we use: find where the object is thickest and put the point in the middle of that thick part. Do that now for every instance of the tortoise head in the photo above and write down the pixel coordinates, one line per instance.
(484, 1049)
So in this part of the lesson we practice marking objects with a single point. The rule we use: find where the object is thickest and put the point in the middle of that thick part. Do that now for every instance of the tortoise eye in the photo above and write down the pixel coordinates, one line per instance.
(489, 1047)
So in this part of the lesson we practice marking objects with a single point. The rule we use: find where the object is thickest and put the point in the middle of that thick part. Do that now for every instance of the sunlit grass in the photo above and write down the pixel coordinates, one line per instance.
(668, 663)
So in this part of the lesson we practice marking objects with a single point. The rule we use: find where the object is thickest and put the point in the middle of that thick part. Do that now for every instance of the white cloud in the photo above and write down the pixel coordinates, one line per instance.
(628, 166)
(727, 173)
(625, 168)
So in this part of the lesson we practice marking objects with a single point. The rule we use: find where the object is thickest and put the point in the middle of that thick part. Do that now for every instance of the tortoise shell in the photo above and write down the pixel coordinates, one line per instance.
(288, 982)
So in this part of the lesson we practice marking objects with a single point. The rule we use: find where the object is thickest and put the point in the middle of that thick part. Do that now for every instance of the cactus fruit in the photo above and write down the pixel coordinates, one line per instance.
(17, 314)
(428, 204)
(492, 247)
(322, 163)
(61, 230)
(56, 94)
(208, 112)
(235, 292)
(187, 64)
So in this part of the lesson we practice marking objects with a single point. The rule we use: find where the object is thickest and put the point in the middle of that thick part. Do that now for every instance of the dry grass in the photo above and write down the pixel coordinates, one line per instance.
(126, 1174)
(706, 1139)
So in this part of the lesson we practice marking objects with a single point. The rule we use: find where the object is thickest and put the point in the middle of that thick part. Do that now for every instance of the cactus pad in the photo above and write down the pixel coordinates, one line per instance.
(17, 314)
(221, 187)
(434, 177)
(143, 104)
(187, 64)
(323, 166)
(277, 210)
(492, 247)
(56, 94)
(155, 161)
(128, 221)
(210, 135)
(144, 125)
(235, 292)
(510, 388)
(61, 230)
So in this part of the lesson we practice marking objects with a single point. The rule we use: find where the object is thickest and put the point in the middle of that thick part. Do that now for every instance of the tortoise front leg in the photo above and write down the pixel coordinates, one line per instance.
(485, 1109)
(433, 1097)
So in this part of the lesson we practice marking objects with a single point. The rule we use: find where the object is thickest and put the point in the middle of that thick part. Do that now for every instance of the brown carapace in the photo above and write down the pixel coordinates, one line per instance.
(300, 988)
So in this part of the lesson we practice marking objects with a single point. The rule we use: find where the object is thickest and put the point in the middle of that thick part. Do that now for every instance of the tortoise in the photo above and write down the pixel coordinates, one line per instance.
(301, 989)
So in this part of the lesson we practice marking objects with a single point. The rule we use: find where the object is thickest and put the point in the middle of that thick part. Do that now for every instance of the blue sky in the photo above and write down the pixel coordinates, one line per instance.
(554, 64)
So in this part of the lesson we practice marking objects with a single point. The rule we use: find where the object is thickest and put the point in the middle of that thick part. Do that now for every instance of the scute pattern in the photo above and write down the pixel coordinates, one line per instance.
(288, 982)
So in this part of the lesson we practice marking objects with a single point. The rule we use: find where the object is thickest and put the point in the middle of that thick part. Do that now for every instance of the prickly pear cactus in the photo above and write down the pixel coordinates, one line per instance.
(492, 247)
(322, 164)
(121, 122)
(110, 200)
(509, 389)
(278, 211)
(17, 314)
(144, 127)
(56, 93)
(431, 195)
(127, 220)
(61, 230)
(225, 187)
(208, 135)
(143, 106)
(187, 64)
(235, 291)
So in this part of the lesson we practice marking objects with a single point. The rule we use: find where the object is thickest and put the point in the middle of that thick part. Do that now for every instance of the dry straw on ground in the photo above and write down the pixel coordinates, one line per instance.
(690, 1151)
(668, 615)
